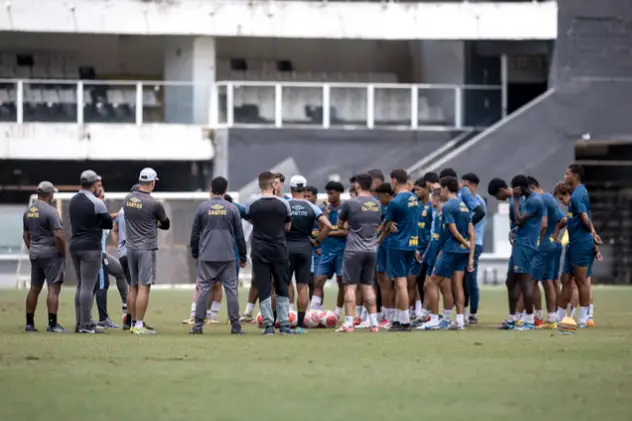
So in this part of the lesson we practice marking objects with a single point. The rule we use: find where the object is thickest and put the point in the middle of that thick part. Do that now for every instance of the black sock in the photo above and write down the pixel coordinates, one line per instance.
(275, 318)
(52, 319)
(301, 318)
(128, 319)
(133, 323)
(30, 319)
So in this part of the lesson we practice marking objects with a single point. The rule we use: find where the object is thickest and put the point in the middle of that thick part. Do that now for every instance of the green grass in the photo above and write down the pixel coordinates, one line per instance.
(478, 374)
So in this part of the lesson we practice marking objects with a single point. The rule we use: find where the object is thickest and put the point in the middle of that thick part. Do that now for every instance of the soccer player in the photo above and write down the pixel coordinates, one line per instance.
(402, 219)
(143, 216)
(528, 233)
(385, 194)
(362, 216)
(332, 251)
(215, 233)
(470, 181)
(88, 218)
(377, 179)
(547, 259)
(300, 245)
(43, 235)
(580, 251)
(311, 195)
(417, 276)
(271, 218)
(118, 236)
(456, 256)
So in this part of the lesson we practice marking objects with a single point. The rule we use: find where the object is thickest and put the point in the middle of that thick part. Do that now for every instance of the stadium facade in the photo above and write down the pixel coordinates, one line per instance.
(198, 88)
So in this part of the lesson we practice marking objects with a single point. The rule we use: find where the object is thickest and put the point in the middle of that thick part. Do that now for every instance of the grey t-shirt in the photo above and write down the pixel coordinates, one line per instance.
(40, 220)
(142, 213)
(217, 232)
(363, 217)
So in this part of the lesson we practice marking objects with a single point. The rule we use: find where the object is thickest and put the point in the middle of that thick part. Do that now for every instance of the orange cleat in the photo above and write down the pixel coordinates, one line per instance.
(539, 322)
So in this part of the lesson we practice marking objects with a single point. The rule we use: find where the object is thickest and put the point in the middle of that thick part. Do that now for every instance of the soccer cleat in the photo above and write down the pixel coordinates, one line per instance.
(507, 325)
(212, 321)
(519, 323)
(109, 324)
(356, 321)
(539, 322)
(299, 331)
(237, 331)
(590, 323)
(547, 325)
(345, 329)
(444, 324)
(126, 326)
(384, 324)
(456, 326)
(246, 318)
(30, 328)
(86, 330)
(473, 319)
(144, 331)
(374, 329)
(268, 331)
(97, 328)
(395, 327)
(57, 329)
(364, 325)
(196, 330)
(132, 329)
(285, 331)
(581, 325)
(405, 327)
(526, 326)
(429, 326)
(189, 321)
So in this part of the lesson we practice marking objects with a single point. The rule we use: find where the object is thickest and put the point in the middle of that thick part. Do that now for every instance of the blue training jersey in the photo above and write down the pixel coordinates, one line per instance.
(580, 203)
(553, 215)
(456, 212)
(512, 216)
(468, 198)
(480, 225)
(333, 245)
(528, 233)
(404, 211)
(425, 225)
(382, 216)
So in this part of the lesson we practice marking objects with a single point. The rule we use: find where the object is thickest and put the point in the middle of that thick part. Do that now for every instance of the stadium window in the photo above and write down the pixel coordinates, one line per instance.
(284, 66)
(24, 60)
(238, 64)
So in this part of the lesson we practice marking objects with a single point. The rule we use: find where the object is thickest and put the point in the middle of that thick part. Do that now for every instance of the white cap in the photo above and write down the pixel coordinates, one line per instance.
(147, 174)
(298, 182)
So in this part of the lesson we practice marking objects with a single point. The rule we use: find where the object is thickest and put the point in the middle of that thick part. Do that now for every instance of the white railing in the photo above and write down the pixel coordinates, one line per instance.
(249, 103)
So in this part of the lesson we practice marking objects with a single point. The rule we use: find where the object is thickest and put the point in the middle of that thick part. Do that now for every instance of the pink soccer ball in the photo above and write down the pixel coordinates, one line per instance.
(312, 319)
(328, 319)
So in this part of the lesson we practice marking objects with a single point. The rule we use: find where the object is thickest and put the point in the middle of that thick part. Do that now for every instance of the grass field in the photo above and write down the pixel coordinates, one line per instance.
(478, 374)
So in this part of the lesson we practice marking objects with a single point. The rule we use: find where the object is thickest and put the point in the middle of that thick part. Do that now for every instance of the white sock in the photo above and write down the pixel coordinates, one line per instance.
(529, 318)
(316, 303)
(348, 321)
(404, 317)
(447, 314)
(292, 307)
(560, 314)
(523, 315)
(193, 306)
(460, 320)
(380, 316)
(139, 324)
(550, 317)
(434, 319)
(338, 311)
(365, 314)
(358, 311)
(539, 315)
(583, 314)
(591, 309)
(249, 308)
(388, 313)
(373, 319)
(424, 313)
(215, 308)
(467, 313)
(418, 307)
(512, 317)
(209, 314)
(573, 310)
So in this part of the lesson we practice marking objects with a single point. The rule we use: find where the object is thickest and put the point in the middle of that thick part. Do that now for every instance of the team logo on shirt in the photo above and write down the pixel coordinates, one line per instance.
(33, 212)
(217, 210)
(370, 207)
(299, 210)
(134, 202)
(413, 202)
(569, 214)
(463, 208)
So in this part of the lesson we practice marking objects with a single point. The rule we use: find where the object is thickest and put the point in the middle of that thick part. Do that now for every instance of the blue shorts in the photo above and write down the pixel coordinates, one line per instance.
(315, 259)
(578, 255)
(522, 259)
(416, 266)
(449, 262)
(399, 262)
(329, 264)
(590, 266)
(430, 257)
(546, 264)
(382, 255)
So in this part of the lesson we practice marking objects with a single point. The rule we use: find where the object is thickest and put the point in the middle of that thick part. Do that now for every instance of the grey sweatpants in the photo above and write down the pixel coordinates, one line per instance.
(207, 274)
(87, 265)
(116, 269)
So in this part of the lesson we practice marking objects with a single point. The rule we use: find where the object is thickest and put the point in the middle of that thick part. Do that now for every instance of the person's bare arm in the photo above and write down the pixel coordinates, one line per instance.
(325, 229)
(60, 242)
(457, 235)
(544, 224)
(471, 233)
(26, 236)
(115, 232)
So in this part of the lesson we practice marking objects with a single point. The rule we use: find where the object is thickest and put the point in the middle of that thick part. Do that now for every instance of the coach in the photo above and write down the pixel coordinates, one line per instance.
(88, 218)
(270, 217)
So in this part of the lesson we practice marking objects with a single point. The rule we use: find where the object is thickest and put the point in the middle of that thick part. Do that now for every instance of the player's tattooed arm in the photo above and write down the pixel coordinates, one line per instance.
(590, 227)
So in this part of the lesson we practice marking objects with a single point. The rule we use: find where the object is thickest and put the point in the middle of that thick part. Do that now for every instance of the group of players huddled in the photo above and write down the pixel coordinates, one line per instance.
(406, 243)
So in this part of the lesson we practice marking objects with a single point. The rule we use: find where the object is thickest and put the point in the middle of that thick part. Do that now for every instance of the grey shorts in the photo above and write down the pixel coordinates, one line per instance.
(358, 267)
(49, 269)
(142, 266)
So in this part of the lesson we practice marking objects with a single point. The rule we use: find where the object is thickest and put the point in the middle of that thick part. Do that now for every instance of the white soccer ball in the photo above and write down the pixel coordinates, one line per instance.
(328, 319)
(312, 318)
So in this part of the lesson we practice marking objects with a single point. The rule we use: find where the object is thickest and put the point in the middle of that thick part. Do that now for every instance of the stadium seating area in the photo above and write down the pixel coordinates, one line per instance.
(50, 94)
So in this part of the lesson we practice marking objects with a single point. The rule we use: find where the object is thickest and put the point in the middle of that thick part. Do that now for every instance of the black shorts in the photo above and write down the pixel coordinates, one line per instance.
(48, 269)
(300, 265)
(359, 267)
